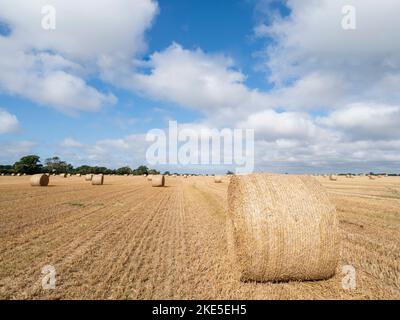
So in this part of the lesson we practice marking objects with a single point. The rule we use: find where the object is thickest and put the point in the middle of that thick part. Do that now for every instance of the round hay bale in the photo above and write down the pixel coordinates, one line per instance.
(18, 174)
(284, 228)
(39, 180)
(63, 175)
(12, 174)
(333, 177)
(158, 181)
(88, 177)
(371, 177)
(149, 177)
(97, 180)
(218, 179)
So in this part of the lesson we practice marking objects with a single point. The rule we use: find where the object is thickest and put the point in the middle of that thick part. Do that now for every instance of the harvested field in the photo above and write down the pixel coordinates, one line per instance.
(127, 240)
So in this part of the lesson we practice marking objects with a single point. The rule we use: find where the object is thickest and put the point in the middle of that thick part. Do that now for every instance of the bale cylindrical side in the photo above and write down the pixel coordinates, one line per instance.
(98, 179)
(217, 179)
(158, 181)
(39, 180)
(284, 228)
(88, 177)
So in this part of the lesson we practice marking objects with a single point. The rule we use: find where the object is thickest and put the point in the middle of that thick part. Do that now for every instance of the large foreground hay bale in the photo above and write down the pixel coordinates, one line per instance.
(217, 179)
(98, 180)
(39, 180)
(88, 177)
(158, 181)
(283, 227)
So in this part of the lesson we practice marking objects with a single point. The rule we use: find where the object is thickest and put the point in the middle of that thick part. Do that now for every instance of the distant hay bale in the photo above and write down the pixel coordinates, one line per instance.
(185, 176)
(2, 174)
(371, 177)
(158, 181)
(149, 177)
(283, 228)
(97, 180)
(63, 175)
(78, 174)
(39, 180)
(12, 174)
(88, 177)
(333, 177)
(217, 179)
(18, 174)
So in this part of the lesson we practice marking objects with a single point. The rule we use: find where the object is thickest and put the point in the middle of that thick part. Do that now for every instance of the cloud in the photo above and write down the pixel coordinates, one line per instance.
(51, 67)
(8, 122)
(367, 121)
(71, 143)
(11, 151)
(193, 79)
(312, 40)
(271, 125)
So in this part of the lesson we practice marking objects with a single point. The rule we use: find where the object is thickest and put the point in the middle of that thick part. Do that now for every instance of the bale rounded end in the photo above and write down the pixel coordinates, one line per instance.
(158, 181)
(283, 228)
(98, 180)
(39, 180)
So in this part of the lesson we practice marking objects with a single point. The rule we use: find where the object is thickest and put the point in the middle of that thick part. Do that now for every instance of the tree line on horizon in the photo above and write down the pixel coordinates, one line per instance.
(31, 164)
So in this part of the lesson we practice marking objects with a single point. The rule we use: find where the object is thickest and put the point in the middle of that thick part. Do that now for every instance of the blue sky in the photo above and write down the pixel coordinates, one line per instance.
(313, 93)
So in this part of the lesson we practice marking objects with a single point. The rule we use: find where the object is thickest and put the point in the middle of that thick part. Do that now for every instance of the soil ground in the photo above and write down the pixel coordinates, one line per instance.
(128, 240)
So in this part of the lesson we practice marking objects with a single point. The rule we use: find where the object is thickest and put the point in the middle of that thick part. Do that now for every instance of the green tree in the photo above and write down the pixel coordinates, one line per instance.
(56, 165)
(28, 164)
(142, 170)
(124, 170)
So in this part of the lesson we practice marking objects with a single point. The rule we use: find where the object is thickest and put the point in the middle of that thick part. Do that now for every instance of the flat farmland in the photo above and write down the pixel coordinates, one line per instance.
(128, 240)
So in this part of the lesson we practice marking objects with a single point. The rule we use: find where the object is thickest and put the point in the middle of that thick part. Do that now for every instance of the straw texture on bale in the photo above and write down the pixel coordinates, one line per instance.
(158, 181)
(282, 228)
(39, 180)
(98, 180)
(88, 177)
(217, 179)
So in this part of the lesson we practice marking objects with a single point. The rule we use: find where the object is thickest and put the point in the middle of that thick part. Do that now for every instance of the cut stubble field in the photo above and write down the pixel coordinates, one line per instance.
(128, 240)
